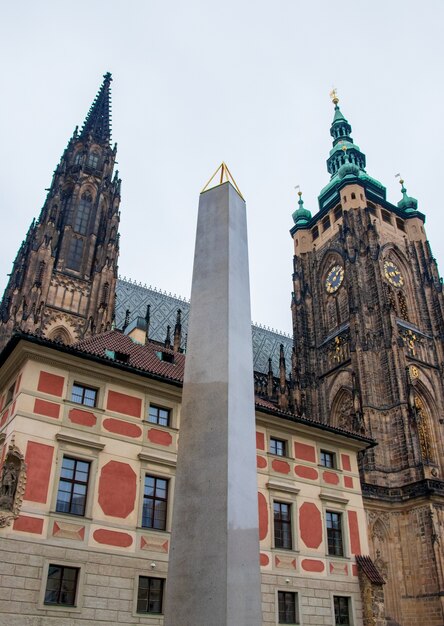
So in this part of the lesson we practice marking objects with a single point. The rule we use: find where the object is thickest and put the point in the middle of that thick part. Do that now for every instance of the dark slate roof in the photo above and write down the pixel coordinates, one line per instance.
(367, 566)
(136, 297)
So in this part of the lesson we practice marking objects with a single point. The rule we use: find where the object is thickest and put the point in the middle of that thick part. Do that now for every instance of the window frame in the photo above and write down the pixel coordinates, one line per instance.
(323, 451)
(297, 616)
(79, 596)
(159, 408)
(162, 598)
(154, 499)
(287, 523)
(75, 383)
(340, 514)
(351, 617)
(75, 254)
(284, 446)
(73, 482)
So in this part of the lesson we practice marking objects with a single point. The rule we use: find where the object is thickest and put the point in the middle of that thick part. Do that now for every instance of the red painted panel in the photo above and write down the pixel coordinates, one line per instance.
(331, 478)
(51, 383)
(263, 516)
(355, 543)
(112, 538)
(13, 408)
(280, 466)
(4, 417)
(117, 489)
(83, 418)
(82, 533)
(29, 524)
(346, 464)
(304, 452)
(264, 560)
(306, 472)
(354, 569)
(260, 441)
(312, 565)
(261, 462)
(122, 403)
(160, 437)
(38, 461)
(310, 524)
(348, 482)
(49, 409)
(122, 428)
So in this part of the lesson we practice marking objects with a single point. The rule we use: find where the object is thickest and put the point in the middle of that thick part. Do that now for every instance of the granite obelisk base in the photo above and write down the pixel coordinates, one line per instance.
(213, 572)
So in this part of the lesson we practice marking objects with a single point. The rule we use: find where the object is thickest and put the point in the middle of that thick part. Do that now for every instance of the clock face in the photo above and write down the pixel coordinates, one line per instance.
(392, 274)
(334, 278)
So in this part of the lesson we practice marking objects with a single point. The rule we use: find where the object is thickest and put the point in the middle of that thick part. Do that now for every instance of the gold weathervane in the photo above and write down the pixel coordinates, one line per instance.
(334, 96)
(224, 175)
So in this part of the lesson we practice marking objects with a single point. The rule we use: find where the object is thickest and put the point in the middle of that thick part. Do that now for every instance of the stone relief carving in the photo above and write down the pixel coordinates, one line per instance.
(12, 485)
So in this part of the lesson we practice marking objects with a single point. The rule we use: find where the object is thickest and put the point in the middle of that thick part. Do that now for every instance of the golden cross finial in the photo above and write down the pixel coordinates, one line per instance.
(334, 96)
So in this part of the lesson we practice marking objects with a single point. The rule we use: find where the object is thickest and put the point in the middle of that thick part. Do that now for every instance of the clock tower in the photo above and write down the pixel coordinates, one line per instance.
(368, 322)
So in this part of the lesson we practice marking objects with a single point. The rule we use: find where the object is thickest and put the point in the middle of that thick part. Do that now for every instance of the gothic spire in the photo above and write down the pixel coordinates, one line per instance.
(98, 121)
(344, 151)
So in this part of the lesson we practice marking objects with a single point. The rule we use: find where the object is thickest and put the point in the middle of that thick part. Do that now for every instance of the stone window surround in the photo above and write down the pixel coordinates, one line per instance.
(298, 608)
(81, 379)
(77, 608)
(336, 505)
(343, 594)
(287, 495)
(335, 451)
(151, 573)
(159, 401)
(158, 470)
(84, 450)
(287, 445)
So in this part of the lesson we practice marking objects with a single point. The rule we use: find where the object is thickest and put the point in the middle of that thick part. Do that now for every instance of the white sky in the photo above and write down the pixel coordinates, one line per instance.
(201, 81)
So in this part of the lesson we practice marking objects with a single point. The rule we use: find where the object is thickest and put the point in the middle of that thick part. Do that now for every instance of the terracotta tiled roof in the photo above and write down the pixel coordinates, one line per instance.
(370, 570)
(142, 357)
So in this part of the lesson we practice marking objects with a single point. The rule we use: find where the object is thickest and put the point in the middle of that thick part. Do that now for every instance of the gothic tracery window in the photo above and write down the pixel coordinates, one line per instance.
(75, 252)
(424, 437)
(82, 214)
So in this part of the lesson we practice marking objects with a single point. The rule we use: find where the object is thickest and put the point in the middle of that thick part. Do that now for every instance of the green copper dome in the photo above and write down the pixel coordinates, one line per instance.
(348, 169)
(407, 203)
(301, 215)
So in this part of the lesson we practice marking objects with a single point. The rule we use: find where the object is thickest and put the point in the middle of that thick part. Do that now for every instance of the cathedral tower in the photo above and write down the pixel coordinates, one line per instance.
(369, 357)
(62, 283)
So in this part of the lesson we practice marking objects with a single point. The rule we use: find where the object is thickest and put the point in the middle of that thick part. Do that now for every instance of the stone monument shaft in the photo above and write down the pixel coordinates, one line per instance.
(213, 574)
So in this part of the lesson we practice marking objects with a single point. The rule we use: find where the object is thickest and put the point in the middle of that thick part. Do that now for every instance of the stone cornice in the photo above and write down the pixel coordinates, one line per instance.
(79, 441)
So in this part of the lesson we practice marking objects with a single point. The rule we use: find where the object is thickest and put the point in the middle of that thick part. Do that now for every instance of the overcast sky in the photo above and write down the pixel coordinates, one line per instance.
(201, 81)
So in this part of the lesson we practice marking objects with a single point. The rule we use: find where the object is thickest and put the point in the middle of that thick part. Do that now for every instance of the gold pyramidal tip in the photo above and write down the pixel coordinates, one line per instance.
(220, 176)
(334, 96)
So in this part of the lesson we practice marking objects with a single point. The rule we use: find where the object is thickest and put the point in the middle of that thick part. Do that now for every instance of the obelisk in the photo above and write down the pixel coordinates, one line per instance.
(213, 573)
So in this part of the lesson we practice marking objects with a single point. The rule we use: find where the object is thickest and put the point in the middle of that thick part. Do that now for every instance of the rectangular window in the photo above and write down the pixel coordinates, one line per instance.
(315, 232)
(372, 209)
(400, 224)
(282, 525)
(326, 223)
(327, 459)
(334, 533)
(342, 611)
(61, 586)
(337, 212)
(278, 446)
(288, 607)
(386, 216)
(150, 595)
(158, 415)
(83, 395)
(155, 498)
(73, 486)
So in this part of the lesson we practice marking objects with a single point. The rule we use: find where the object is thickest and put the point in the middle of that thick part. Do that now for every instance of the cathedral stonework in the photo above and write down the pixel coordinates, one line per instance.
(368, 327)
(62, 285)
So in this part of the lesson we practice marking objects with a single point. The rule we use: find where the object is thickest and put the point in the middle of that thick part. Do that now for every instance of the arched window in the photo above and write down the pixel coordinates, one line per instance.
(93, 160)
(39, 274)
(82, 214)
(342, 410)
(78, 158)
(425, 441)
(74, 259)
